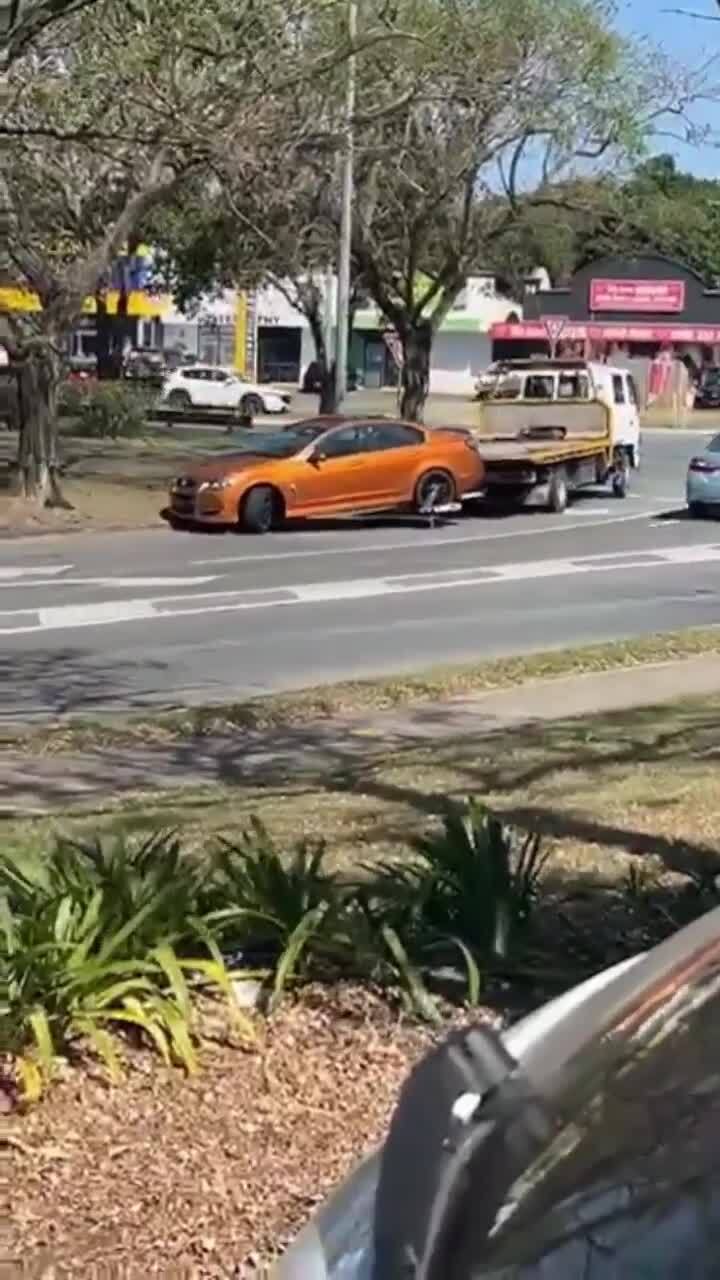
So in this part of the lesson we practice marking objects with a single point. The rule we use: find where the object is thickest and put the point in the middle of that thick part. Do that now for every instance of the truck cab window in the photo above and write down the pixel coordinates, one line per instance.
(539, 387)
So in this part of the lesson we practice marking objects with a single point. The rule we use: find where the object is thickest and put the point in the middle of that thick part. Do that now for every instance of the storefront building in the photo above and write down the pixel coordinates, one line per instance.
(617, 308)
(462, 347)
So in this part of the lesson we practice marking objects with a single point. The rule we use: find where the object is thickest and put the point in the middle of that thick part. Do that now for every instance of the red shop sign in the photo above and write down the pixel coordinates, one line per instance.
(610, 332)
(652, 296)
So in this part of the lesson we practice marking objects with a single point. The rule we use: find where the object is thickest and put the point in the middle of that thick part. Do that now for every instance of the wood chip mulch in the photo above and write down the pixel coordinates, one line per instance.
(209, 1176)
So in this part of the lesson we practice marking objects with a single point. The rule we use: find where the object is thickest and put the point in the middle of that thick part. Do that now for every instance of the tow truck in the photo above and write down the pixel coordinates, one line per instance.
(551, 427)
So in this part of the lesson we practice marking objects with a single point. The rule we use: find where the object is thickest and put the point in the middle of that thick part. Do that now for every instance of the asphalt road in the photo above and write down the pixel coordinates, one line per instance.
(163, 618)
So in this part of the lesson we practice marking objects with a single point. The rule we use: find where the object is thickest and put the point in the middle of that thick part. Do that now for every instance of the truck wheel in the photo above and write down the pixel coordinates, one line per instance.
(260, 510)
(620, 482)
(558, 492)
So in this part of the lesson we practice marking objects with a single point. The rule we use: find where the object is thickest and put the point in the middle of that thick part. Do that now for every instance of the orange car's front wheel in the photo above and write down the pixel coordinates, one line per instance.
(435, 488)
(261, 510)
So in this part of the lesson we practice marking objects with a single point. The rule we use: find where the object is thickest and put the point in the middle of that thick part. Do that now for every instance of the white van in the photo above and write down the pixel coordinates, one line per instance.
(542, 382)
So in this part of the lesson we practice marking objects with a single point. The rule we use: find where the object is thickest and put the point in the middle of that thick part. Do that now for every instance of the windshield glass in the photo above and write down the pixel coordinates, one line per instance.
(280, 444)
(631, 1184)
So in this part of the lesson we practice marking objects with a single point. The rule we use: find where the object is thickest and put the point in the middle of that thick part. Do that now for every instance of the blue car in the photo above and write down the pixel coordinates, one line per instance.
(703, 480)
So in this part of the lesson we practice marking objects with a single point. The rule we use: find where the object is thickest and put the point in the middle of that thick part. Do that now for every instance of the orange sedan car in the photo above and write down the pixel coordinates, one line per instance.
(327, 466)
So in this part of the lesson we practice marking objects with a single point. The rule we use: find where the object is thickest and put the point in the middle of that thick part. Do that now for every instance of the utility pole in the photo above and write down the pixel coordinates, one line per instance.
(328, 316)
(345, 247)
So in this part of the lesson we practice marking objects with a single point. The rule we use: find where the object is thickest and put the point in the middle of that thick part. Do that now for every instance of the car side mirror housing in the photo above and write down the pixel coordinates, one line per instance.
(316, 457)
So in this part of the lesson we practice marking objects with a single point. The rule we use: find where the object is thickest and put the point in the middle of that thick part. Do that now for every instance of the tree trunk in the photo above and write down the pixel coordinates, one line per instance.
(38, 460)
(328, 396)
(415, 373)
(327, 402)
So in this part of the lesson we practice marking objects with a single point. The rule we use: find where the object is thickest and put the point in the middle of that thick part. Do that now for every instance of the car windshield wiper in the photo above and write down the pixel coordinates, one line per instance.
(467, 1124)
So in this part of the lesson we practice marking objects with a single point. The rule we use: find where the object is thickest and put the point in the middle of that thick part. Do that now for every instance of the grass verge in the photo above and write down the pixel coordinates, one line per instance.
(610, 789)
(351, 697)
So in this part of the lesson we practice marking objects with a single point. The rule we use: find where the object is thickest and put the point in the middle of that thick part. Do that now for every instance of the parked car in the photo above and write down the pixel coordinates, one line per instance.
(145, 366)
(312, 381)
(326, 466)
(205, 386)
(707, 395)
(582, 1144)
(703, 480)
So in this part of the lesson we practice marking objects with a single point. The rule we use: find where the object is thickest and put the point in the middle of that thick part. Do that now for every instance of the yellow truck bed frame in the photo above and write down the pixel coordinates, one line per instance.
(554, 449)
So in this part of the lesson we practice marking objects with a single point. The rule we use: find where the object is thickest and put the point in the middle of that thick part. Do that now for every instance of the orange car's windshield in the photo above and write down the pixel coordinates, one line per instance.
(281, 444)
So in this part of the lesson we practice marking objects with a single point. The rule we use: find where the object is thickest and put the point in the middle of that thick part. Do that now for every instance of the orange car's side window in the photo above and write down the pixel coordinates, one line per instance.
(344, 443)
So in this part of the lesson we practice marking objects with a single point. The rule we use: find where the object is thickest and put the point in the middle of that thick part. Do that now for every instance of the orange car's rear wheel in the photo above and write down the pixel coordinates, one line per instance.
(436, 488)
(261, 510)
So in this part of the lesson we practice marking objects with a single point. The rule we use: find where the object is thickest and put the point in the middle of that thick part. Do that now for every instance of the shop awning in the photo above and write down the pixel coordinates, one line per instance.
(535, 330)
(140, 303)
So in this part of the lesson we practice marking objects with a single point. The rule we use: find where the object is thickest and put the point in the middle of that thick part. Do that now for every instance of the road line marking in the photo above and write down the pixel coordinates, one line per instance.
(68, 617)
(110, 582)
(47, 571)
(421, 543)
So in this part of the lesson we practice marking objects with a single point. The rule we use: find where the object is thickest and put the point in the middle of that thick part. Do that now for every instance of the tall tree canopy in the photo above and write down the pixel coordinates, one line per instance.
(473, 118)
(108, 114)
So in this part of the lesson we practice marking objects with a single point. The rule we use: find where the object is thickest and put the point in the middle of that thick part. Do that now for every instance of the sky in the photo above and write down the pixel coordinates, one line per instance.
(694, 43)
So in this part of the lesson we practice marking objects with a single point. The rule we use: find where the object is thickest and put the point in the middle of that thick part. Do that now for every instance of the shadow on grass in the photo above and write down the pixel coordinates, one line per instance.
(424, 759)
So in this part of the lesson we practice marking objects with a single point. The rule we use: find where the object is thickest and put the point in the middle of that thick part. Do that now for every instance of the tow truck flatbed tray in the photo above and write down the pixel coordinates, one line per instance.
(515, 449)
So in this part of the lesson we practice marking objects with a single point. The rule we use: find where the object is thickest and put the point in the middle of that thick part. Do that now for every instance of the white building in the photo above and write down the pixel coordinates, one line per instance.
(462, 347)
(283, 345)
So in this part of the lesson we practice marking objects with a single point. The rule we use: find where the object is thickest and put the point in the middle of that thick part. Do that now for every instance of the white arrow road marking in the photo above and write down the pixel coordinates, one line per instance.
(24, 571)
(63, 617)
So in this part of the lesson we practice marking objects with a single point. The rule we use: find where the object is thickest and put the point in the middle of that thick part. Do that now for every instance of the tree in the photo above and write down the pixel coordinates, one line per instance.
(240, 235)
(102, 120)
(657, 209)
(497, 102)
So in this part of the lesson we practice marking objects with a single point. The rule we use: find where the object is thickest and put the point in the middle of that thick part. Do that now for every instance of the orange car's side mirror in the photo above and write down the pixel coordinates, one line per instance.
(316, 457)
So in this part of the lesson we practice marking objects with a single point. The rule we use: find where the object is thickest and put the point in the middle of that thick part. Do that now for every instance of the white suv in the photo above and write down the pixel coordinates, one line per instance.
(205, 386)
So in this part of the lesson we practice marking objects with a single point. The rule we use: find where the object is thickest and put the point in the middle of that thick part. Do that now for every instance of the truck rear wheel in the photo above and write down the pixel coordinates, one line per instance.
(558, 492)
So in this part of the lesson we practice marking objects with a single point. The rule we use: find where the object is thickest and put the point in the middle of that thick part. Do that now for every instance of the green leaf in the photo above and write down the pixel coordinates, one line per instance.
(421, 998)
(168, 962)
(292, 953)
(40, 1025)
(474, 981)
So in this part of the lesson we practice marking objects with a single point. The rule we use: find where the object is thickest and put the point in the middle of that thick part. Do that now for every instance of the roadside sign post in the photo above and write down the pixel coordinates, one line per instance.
(554, 326)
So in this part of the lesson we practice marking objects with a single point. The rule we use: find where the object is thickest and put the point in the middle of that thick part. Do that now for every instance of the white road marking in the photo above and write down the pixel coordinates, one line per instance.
(108, 612)
(421, 543)
(27, 571)
(111, 582)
